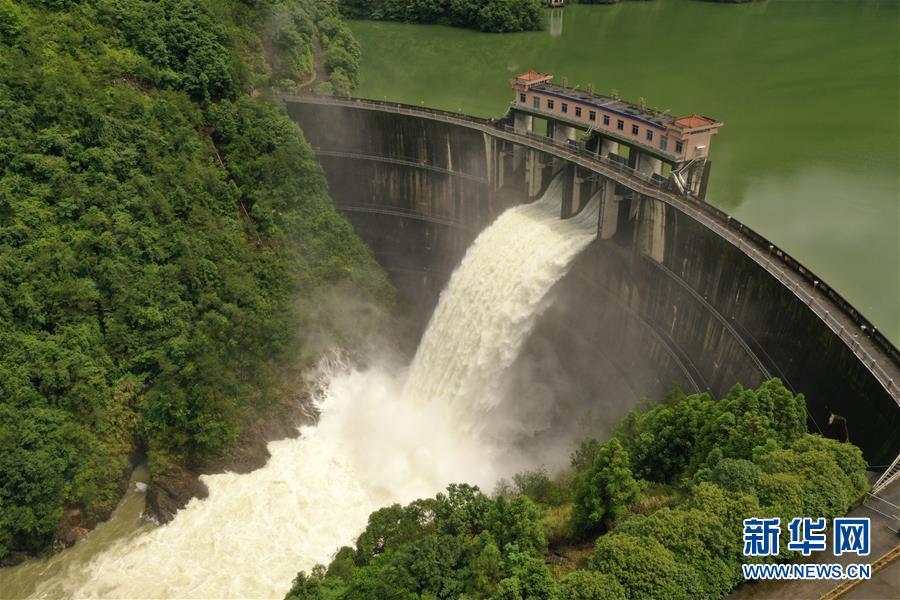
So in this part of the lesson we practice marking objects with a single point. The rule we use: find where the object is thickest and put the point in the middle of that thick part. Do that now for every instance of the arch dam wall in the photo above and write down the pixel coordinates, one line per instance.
(671, 291)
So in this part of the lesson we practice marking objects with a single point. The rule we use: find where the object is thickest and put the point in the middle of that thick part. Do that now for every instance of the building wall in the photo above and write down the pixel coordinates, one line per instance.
(690, 142)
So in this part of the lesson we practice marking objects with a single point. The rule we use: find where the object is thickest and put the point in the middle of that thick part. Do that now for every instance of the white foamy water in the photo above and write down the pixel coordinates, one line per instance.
(385, 435)
(492, 301)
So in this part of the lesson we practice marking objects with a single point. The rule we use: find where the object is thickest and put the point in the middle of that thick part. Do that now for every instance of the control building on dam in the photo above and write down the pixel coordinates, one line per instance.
(672, 290)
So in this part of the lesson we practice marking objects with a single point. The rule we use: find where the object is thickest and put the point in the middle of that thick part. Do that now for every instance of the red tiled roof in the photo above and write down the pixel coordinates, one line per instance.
(692, 121)
(532, 75)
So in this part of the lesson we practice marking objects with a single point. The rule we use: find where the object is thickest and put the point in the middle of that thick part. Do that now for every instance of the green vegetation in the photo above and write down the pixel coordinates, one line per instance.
(664, 500)
(300, 34)
(484, 15)
(159, 219)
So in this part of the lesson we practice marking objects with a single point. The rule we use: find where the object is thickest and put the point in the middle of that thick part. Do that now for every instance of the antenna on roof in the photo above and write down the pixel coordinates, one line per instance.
(642, 102)
(565, 82)
(590, 88)
(615, 94)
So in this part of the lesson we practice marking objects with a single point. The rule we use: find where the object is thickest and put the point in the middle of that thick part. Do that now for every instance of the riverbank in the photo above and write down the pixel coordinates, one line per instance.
(173, 485)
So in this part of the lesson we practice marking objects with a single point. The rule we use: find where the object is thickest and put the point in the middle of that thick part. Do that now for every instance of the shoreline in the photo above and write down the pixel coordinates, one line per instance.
(172, 488)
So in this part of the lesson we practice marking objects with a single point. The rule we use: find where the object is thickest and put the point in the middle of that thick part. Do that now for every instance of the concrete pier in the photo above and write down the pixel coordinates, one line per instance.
(609, 210)
(561, 132)
(652, 229)
(607, 147)
(523, 122)
(648, 164)
(534, 169)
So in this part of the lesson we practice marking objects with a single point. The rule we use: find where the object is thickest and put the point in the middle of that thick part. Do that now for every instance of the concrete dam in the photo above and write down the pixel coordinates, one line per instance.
(671, 291)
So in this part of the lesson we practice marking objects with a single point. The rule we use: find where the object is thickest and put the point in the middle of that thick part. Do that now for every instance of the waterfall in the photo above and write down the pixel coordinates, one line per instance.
(490, 304)
(386, 435)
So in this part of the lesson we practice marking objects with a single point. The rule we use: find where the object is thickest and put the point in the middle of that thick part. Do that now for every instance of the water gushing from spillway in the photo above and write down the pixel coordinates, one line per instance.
(385, 435)
(490, 305)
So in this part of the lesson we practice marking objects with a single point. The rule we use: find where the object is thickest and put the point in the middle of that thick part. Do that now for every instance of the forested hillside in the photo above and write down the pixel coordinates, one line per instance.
(655, 512)
(159, 219)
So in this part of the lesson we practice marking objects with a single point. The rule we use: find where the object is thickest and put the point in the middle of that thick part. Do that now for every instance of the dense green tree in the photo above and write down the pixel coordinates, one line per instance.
(826, 474)
(644, 567)
(392, 527)
(486, 15)
(590, 585)
(12, 21)
(462, 510)
(510, 15)
(157, 226)
(604, 492)
(517, 522)
(529, 578)
(675, 439)
(698, 539)
(538, 486)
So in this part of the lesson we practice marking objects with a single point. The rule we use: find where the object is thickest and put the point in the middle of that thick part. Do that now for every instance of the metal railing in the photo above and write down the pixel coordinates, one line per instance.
(890, 474)
(864, 340)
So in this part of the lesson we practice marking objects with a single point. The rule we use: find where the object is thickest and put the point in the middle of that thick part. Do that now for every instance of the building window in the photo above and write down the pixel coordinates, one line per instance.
(592, 115)
(537, 102)
(649, 136)
(565, 107)
(522, 98)
(634, 130)
(550, 104)
(679, 147)
(664, 143)
(606, 119)
(620, 125)
(577, 111)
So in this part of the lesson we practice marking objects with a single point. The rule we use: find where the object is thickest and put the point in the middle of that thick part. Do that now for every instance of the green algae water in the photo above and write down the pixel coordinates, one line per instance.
(808, 91)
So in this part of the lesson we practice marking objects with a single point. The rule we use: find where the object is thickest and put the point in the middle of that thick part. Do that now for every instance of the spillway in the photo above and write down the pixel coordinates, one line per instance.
(386, 434)
(491, 301)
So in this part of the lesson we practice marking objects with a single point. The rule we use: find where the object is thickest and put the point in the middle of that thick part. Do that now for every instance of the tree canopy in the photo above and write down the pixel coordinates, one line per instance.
(159, 219)
(483, 15)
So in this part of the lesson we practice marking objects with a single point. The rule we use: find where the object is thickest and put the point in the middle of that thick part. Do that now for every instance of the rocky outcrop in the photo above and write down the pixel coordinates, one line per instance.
(171, 490)
(73, 527)
(172, 486)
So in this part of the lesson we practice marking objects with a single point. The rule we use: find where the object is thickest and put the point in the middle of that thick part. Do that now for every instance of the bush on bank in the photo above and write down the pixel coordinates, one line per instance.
(663, 502)
(158, 220)
(484, 15)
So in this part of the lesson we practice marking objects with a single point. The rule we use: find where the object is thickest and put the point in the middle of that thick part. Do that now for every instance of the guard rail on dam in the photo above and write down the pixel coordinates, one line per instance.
(417, 160)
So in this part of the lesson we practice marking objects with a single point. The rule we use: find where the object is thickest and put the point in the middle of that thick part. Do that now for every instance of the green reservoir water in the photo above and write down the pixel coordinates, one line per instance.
(808, 90)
